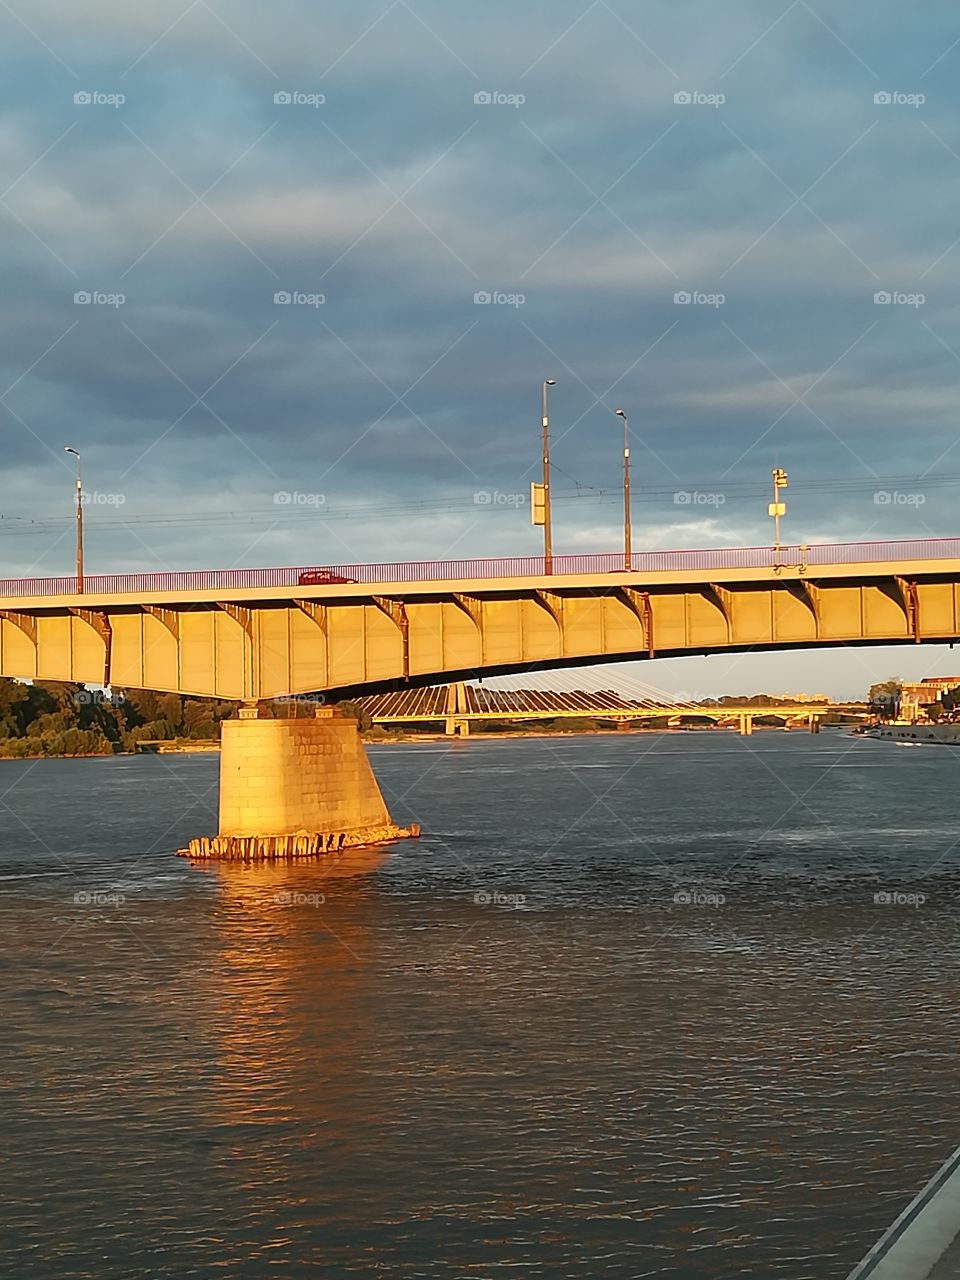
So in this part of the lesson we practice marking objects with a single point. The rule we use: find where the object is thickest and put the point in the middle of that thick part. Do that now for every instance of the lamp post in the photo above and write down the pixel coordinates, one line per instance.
(627, 556)
(776, 509)
(547, 529)
(68, 449)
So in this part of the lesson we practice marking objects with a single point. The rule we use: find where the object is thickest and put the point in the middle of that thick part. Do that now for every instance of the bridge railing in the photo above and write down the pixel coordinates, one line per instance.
(506, 567)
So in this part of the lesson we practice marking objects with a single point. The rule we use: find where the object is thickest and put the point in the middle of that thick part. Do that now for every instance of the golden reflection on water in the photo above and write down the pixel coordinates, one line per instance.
(294, 961)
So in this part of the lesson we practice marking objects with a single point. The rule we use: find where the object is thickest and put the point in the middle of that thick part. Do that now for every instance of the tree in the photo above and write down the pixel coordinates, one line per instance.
(204, 730)
(154, 730)
(141, 705)
(171, 708)
(883, 697)
(360, 714)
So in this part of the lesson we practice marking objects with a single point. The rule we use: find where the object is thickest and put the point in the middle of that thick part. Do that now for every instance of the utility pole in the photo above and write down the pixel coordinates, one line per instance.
(776, 509)
(627, 541)
(547, 527)
(68, 449)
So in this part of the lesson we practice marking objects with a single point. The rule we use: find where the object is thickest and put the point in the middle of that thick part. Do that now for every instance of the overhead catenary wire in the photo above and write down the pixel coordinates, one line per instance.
(13, 524)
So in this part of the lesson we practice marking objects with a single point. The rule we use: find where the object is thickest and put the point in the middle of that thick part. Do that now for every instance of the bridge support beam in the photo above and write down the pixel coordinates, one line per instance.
(456, 701)
(295, 789)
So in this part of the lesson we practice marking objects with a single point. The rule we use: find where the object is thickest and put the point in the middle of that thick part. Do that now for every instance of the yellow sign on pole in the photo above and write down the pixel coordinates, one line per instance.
(538, 504)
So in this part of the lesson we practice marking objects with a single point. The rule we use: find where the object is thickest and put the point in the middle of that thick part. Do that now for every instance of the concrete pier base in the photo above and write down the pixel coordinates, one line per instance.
(295, 789)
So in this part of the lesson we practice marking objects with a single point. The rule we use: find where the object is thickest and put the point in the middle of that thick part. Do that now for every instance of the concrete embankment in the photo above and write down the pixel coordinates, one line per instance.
(924, 1242)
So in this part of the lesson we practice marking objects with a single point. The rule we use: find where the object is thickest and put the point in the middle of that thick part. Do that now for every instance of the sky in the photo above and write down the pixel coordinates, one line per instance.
(290, 278)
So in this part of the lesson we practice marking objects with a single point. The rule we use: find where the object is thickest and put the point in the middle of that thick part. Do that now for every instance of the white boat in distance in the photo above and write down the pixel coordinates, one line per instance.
(907, 731)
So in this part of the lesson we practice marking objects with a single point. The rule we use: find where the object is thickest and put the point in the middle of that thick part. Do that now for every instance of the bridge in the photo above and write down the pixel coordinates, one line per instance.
(249, 634)
(291, 788)
(459, 706)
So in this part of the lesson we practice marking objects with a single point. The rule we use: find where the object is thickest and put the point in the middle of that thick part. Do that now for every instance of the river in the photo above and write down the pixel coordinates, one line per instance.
(629, 1008)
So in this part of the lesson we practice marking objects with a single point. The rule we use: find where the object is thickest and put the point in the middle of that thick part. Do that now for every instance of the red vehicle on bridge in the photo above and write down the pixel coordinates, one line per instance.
(320, 578)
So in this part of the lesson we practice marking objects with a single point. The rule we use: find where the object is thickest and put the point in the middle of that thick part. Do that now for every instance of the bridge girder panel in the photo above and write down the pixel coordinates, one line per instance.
(396, 611)
(25, 622)
(553, 603)
(58, 658)
(168, 618)
(308, 627)
(18, 643)
(470, 607)
(806, 595)
(722, 597)
(910, 601)
(99, 622)
(641, 606)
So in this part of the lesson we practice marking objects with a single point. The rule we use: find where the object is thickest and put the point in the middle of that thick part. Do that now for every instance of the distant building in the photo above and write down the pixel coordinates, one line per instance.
(800, 697)
(918, 696)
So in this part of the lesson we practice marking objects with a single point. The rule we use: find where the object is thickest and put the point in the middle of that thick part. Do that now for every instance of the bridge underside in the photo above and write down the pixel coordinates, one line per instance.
(352, 639)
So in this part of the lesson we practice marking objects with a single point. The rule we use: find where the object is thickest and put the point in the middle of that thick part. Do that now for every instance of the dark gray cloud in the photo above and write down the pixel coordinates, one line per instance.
(597, 198)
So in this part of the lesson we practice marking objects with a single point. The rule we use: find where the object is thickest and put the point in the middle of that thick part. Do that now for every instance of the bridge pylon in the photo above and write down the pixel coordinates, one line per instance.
(295, 788)
(456, 701)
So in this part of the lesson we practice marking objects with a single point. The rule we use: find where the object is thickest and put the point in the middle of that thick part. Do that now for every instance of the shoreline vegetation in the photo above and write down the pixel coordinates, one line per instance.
(54, 719)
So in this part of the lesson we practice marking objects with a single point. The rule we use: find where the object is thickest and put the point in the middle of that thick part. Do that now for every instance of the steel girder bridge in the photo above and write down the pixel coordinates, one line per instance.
(251, 634)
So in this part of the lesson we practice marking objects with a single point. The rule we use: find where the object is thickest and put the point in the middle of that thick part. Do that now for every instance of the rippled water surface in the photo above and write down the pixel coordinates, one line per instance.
(628, 1009)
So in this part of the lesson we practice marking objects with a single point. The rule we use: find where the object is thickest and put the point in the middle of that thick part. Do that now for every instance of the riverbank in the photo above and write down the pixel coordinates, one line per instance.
(176, 746)
(387, 738)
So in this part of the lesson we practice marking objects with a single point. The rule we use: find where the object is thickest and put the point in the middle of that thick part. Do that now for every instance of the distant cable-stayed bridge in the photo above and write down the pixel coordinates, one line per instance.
(460, 705)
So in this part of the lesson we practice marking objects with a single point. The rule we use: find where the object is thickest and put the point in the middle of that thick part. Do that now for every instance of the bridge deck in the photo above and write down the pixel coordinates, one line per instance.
(736, 564)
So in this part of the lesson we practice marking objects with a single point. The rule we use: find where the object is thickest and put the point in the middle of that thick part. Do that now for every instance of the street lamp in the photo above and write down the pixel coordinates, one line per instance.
(68, 449)
(547, 529)
(627, 557)
(776, 508)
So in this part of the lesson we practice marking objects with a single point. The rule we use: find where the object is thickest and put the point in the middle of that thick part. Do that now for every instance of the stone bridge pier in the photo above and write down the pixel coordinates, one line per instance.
(295, 789)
